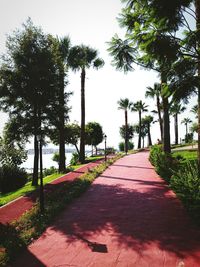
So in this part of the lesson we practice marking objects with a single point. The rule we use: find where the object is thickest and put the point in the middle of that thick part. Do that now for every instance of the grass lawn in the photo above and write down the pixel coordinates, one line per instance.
(7, 197)
(186, 154)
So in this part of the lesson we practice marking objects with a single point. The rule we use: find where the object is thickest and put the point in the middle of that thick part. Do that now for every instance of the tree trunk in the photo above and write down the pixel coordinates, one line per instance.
(149, 136)
(36, 149)
(197, 7)
(126, 131)
(160, 118)
(96, 150)
(186, 129)
(35, 164)
(166, 125)
(176, 128)
(82, 139)
(77, 149)
(62, 166)
(140, 128)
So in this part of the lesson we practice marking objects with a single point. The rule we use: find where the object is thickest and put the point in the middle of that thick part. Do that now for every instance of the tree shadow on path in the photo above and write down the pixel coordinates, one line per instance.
(133, 218)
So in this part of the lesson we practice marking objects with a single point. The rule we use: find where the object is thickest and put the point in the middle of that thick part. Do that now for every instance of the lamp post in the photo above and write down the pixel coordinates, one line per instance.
(105, 137)
(41, 176)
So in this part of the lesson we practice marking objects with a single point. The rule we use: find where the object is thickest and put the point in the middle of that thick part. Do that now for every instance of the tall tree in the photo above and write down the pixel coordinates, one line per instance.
(146, 122)
(81, 58)
(186, 121)
(60, 111)
(149, 48)
(29, 81)
(139, 107)
(174, 16)
(175, 110)
(125, 104)
(155, 92)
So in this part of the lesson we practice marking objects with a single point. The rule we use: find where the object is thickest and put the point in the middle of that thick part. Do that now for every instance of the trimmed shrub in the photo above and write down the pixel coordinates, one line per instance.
(11, 178)
(186, 183)
(164, 163)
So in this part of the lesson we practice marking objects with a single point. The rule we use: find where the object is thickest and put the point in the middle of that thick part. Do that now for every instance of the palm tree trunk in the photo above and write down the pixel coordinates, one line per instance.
(166, 125)
(140, 128)
(126, 131)
(186, 129)
(160, 118)
(197, 7)
(176, 128)
(149, 136)
(82, 139)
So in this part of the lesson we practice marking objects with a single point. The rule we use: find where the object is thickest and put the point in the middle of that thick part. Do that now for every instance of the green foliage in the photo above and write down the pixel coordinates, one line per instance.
(11, 154)
(189, 138)
(56, 157)
(186, 183)
(75, 158)
(130, 131)
(49, 171)
(20, 233)
(11, 178)
(164, 163)
(185, 155)
(122, 146)
(94, 133)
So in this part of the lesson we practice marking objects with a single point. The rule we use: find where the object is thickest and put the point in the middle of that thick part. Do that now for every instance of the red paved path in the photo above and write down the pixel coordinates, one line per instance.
(16, 208)
(127, 218)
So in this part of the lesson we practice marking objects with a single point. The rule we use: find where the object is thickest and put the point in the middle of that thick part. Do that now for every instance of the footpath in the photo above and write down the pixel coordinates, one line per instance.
(128, 218)
(16, 208)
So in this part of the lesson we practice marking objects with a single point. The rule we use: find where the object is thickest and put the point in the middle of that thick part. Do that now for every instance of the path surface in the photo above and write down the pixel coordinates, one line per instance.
(127, 218)
(16, 208)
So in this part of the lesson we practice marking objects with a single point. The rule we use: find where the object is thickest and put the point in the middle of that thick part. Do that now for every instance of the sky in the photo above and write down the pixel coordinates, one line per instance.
(93, 23)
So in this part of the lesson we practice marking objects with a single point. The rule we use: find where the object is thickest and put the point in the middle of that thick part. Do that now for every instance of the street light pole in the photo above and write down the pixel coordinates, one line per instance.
(105, 137)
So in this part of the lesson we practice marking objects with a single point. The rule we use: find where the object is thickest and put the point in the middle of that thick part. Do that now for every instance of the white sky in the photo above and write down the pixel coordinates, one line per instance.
(93, 23)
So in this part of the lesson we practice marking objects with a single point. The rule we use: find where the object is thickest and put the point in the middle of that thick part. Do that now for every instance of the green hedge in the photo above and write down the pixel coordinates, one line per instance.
(11, 178)
(183, 178)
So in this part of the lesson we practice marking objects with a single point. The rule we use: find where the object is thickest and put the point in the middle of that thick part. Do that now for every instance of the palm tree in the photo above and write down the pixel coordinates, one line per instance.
(175, 110)
(146, 121)
(186, 121)
(155, 92)
(140, 107)
(64, 48)
(122, 53)
(125, 105)
(194, 110)
(81, 58)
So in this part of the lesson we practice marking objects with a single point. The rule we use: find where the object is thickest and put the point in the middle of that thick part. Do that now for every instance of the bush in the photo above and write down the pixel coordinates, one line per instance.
(74, 159)
(50, 171)
(11, 178)
(186, 183)
(189, 138)
(164, 163)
